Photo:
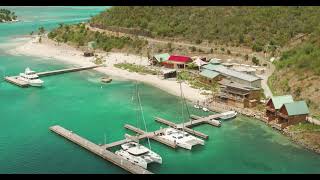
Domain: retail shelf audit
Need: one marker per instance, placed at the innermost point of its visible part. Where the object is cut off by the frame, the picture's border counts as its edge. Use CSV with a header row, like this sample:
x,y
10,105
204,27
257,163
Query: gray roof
x,y
228,72
227,82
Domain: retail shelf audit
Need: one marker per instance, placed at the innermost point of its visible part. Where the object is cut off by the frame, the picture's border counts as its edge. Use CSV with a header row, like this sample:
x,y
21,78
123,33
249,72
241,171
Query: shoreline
x,y
70,55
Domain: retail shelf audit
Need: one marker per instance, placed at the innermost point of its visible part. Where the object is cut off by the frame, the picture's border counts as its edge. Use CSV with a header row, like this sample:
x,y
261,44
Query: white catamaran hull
x,y
133,159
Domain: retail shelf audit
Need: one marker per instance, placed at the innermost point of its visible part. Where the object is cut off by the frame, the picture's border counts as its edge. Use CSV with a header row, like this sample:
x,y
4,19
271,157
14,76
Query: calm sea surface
x,y
79,102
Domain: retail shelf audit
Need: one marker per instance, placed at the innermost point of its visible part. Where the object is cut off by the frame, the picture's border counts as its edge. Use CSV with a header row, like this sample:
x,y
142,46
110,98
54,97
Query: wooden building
x,y
274,104
292,113
175,61
238,95
235,76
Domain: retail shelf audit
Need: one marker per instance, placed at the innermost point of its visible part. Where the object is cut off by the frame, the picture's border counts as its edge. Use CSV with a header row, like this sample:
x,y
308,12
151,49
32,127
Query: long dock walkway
x,y
98,150
15,81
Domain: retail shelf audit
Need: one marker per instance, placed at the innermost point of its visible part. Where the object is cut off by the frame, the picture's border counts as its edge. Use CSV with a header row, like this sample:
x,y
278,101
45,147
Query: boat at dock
x,y
228,115
138,154
181,138
133,151
30,77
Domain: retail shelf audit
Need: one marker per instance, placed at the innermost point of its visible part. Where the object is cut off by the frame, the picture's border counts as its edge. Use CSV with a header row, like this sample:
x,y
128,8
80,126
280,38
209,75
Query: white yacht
x,y
138,154
228,115
182,139
30,77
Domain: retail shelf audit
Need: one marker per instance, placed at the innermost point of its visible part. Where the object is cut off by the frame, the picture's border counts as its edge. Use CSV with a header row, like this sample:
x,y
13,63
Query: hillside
x,y
7,15
78,35
260,28
298,73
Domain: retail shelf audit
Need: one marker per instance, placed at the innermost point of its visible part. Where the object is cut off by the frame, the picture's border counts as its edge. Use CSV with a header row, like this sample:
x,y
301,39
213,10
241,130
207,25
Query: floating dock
x,y
196,120
102,150
20,83
98,150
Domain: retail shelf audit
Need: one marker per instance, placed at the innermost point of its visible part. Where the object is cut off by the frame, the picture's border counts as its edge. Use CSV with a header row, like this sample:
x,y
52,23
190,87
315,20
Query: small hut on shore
x,y
88,53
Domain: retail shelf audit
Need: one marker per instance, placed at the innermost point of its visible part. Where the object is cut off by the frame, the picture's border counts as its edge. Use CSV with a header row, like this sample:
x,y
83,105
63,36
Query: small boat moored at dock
x,y
228,115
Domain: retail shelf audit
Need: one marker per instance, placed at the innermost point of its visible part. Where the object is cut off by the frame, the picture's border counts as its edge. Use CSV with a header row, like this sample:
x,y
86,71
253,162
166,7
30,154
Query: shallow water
x,y
79,102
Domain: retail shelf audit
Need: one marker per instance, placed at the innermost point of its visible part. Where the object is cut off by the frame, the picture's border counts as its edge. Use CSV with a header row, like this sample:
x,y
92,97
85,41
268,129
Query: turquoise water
x,y
79,102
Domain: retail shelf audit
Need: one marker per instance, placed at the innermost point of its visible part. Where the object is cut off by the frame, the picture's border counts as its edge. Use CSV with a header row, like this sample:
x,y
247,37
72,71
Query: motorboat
x,y
138,154
228,115
181,138
30,77
205,109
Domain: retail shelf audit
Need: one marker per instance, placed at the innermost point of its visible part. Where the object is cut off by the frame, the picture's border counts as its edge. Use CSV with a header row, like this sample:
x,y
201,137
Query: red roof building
x,y
176,61
184,59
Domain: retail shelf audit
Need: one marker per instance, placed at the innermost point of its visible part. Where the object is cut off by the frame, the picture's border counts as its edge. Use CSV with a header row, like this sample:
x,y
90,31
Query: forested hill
x,y
7,15
254,27
298,73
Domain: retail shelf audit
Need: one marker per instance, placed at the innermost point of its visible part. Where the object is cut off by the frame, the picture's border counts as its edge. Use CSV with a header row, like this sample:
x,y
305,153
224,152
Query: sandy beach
x,y
67,54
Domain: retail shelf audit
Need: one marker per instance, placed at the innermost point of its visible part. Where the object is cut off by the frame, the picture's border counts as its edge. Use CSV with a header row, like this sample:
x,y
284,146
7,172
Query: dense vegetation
x,y
298,72
7,15
261,28
80,36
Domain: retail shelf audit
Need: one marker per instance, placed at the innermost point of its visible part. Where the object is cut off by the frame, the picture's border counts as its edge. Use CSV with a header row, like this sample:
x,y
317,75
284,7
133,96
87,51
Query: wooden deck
x,y
94,148
15,81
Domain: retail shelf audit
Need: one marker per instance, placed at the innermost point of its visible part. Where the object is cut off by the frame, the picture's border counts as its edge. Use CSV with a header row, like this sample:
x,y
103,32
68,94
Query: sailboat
x,y
179,136
136,153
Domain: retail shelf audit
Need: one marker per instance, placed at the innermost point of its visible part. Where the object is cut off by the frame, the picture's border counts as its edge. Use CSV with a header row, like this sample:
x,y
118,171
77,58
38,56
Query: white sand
x,y
68,54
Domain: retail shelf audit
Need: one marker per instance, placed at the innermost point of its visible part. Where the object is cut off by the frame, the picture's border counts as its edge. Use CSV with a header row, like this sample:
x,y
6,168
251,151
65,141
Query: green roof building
x,y
209,74
292,113
161,57
296,108
278,101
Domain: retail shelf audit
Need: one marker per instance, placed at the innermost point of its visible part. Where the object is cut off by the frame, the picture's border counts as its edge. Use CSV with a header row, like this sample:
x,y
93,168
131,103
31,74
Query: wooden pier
x,y
98,150
102,150
20,83
155,134
14,80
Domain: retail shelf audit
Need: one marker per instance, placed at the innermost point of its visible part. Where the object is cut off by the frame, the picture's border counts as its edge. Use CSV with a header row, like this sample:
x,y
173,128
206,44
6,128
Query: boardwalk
x,y
105,154
15,81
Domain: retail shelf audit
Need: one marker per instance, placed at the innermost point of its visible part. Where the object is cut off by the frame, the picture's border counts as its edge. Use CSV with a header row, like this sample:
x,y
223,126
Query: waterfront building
x,y
274,104
292,113
237,94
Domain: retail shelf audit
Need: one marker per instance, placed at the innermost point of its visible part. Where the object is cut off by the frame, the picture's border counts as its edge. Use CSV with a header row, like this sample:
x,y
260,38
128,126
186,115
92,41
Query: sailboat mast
x,y
181,97
145,124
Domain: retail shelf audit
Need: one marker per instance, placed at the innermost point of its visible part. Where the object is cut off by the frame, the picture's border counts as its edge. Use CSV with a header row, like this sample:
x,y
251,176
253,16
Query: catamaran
x,y
30,77
181,138
138,154
135,152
